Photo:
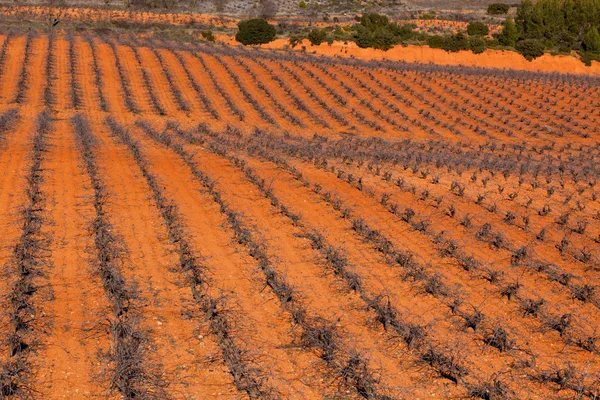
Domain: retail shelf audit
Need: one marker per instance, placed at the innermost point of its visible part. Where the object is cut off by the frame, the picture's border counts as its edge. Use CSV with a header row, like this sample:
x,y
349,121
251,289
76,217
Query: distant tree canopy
x,y
255,31
591,41
477,29
498,9
378,32
561,25
457,42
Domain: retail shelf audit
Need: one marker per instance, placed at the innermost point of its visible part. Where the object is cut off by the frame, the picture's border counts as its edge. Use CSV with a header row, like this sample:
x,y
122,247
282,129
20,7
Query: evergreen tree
x,y
591,41
255,31
509,34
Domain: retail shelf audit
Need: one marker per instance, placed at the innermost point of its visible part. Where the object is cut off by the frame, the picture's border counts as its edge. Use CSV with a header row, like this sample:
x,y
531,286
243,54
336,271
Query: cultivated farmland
x,y
193,221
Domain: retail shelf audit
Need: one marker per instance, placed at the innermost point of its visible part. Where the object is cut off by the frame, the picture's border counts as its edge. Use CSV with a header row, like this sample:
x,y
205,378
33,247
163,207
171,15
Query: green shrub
x,y
530,48
384,39
376,31
587,57
208,35
477,44
255,31
317,36
339,33
403,32
591,41
509,34
456,42
372,21
498,9
436,42
477,29
302,4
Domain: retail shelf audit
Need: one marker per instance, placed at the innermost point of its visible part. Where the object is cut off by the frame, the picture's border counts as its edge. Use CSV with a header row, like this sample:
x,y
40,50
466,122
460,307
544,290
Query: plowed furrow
x,y
192,91
14,152
62,84
296,261
69,352
488,309
524,285
186,357
207,83
12,67
260,327
26,269
249,107
90,78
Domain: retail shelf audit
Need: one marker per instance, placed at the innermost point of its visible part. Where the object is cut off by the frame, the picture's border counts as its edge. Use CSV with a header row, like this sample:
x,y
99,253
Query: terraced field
x,y
198,221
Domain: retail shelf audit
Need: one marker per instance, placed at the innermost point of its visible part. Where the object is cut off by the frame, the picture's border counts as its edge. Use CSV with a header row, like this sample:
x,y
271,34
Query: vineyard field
x,y
196,220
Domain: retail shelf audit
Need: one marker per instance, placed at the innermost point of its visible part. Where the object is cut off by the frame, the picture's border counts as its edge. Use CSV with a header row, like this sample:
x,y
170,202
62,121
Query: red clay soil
x,y
36,81
198,72
14,162
300,90
302,83
258,95
113,91
552,292
296,260
140,91
582,356
186,358
263,328
228,84
184,85
68,361
12,67
86,77
279,95
487,307
62,85
500,163
159,82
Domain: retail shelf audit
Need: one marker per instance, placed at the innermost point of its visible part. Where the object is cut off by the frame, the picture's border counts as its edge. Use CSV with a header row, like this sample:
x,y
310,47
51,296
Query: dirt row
x,y
206,242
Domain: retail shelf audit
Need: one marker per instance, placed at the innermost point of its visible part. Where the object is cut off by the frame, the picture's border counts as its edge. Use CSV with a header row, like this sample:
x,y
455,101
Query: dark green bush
x,y
436,42
456,42
477,29
384,39
477,44
530,48
255,31
372,21
381,38
317,36
498,9
403,32
375,31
